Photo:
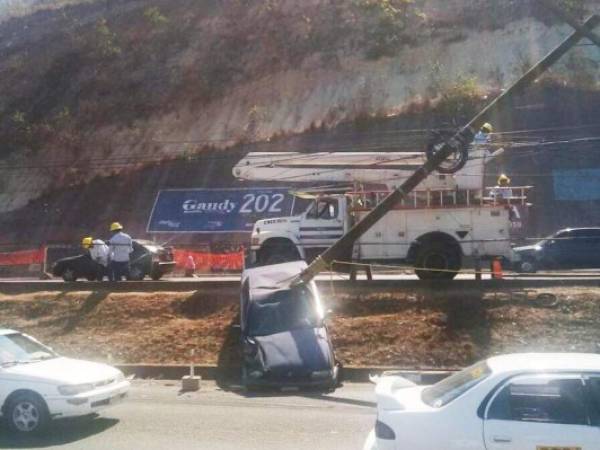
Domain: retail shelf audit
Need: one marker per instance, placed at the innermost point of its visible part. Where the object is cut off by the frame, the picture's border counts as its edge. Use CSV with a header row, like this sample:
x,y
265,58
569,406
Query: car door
x,y
560,251
583,249
592,383
540,412
591,250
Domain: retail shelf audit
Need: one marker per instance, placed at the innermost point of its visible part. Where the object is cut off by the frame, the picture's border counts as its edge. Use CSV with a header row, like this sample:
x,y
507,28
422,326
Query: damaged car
x,y
285,342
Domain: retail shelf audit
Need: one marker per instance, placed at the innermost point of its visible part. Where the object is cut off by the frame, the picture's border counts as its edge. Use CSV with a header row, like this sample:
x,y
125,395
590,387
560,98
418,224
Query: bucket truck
x,y
447,219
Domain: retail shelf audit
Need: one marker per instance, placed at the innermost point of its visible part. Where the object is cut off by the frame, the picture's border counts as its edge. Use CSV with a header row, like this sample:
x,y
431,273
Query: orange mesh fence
x,y
22,257
207,262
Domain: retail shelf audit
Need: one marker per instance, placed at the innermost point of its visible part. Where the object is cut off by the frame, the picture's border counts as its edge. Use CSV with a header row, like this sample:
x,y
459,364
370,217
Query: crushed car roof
x,y
275,276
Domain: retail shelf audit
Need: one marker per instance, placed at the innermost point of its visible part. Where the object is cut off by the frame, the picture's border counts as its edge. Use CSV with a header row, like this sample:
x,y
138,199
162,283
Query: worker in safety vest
x,y
190,266
502,192
98,251
121,246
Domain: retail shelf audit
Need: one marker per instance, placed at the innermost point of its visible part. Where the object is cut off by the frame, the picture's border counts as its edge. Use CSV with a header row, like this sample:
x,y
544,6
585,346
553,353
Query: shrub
x,y
386,25
154,17
106,40
460,98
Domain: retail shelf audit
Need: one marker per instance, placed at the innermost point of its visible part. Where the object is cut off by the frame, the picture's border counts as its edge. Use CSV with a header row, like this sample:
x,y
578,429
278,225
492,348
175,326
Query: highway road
x,y
158,416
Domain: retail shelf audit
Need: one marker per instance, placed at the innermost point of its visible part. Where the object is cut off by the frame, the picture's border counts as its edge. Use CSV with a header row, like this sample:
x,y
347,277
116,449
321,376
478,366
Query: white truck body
x,y
480,232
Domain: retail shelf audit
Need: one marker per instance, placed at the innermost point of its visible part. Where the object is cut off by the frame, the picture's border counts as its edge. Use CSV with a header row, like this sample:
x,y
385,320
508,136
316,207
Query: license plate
x,y
545,447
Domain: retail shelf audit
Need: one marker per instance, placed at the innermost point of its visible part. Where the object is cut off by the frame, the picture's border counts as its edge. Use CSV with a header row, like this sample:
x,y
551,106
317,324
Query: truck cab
x,y
302,236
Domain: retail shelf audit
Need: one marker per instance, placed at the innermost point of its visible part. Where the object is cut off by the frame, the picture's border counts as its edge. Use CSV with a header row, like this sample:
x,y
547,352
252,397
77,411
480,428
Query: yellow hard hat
x,y
487,127
116,226
503,179
87,242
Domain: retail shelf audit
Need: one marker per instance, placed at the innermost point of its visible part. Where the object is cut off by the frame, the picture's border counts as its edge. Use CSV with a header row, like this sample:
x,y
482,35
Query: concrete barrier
x,y
353,374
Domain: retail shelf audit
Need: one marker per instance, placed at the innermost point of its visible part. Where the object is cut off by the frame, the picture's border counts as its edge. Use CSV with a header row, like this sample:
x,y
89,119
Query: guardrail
x,y
231,287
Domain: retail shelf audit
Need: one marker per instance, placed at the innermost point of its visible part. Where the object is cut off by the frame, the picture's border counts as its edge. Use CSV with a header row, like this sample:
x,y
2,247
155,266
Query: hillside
x,y
98,94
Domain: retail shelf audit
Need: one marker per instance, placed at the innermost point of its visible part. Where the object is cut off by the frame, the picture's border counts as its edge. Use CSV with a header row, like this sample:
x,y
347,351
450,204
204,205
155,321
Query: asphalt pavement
x,y
157,416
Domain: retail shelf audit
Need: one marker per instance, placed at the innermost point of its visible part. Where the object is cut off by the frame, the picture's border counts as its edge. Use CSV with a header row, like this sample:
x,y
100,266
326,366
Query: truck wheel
x,y
26,414
444,257
277,253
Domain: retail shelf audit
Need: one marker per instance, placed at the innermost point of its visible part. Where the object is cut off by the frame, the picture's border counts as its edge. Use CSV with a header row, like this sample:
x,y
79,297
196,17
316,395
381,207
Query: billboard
x,y
217,210
577,184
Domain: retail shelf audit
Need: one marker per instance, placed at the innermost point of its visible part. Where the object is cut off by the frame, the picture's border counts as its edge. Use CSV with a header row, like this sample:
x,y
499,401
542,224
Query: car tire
x,y
136,274
438,255
27,414
527,266
156,276
69,275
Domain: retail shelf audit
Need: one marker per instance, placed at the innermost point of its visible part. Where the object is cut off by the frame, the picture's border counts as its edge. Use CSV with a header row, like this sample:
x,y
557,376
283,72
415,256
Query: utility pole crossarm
x,y
462,138
568,18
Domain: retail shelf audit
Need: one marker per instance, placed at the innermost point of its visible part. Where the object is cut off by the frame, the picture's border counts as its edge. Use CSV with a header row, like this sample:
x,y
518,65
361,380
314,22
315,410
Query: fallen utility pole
x,y
454,145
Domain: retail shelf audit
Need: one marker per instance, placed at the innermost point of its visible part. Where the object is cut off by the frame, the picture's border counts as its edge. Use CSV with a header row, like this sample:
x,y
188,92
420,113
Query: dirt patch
x,y
395,329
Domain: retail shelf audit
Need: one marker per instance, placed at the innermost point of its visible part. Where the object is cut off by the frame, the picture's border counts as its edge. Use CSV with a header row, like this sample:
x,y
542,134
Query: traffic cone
x,y
497,269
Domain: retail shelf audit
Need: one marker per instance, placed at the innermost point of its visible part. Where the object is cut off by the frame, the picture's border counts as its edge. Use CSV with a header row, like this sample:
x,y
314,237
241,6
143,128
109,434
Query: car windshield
x,y
445,391
283,310
20,349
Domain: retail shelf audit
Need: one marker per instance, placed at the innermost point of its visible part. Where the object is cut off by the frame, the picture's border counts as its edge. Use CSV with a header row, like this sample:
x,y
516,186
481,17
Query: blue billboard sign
x,y
577,184
217,210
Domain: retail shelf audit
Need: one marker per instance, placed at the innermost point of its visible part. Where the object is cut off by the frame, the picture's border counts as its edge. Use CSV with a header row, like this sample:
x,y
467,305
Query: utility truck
x,y
448,219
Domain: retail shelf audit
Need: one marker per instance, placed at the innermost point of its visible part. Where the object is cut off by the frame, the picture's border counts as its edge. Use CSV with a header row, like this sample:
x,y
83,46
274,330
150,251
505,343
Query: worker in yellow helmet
x,y
502,192
98,251
484,136
121,246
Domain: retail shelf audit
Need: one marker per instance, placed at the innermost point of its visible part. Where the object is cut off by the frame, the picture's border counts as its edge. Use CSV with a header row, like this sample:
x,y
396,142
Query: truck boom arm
x,y
454,144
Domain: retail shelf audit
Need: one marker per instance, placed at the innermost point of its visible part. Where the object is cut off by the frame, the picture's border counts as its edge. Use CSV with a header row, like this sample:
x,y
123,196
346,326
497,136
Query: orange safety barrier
x,y
206,262
497,269
22,257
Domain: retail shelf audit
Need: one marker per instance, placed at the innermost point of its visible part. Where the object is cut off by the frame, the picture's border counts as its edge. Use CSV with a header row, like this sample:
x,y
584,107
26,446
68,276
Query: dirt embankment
x,y
396,329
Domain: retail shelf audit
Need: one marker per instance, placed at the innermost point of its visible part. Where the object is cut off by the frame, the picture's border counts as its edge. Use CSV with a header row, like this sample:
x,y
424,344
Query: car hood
x,y
61,371
304,349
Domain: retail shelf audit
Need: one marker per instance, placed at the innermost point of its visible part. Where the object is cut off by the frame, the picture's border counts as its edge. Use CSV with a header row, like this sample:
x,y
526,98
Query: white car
x,y
513,402
37,385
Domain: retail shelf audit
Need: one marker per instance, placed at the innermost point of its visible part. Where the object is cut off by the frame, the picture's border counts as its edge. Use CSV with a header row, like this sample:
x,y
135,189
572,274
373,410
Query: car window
x,y
284,310
18,348
324,209
593,385
541,400
448,389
